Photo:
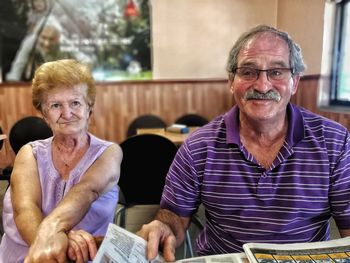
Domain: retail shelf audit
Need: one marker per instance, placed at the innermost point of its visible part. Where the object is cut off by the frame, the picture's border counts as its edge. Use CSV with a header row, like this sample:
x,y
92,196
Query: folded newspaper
x,y
333,251
122,246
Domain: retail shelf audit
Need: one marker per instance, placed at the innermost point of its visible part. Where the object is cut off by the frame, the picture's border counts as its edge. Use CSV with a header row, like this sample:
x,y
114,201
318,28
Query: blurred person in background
x,y
40,47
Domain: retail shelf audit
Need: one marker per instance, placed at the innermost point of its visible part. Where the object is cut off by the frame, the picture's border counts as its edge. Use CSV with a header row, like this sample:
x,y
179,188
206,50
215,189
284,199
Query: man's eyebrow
x,y
277,64
248,64
280,64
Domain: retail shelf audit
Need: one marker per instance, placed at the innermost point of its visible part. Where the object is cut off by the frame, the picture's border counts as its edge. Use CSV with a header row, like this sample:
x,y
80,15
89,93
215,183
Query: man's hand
x,y
82,246
158,235
47,250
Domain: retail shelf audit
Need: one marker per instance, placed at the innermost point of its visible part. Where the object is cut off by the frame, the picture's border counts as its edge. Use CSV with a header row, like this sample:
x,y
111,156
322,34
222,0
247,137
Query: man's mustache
x,y
256,95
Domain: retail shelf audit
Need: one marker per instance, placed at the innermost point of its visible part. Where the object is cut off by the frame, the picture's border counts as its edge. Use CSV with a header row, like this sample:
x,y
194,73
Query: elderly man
x,y
265,171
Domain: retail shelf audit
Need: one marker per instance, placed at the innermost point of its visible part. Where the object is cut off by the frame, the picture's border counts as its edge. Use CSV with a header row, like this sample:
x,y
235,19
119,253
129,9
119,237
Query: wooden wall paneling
x,y
15,103
306,97
117,104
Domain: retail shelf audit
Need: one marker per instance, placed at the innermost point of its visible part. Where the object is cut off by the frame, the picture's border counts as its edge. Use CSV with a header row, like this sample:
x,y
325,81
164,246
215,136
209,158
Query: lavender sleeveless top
x,y
53,189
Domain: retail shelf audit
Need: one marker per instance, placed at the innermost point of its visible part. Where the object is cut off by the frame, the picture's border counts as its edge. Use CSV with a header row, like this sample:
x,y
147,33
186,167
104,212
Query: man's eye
x,y
275,72
247,72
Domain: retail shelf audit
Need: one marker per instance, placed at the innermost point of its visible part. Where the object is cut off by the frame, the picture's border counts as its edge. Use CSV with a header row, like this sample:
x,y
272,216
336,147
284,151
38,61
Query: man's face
x,y
48,40
39,5
264,51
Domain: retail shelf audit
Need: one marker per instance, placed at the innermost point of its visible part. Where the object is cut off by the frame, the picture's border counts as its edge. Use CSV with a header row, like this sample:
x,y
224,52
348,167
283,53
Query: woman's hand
x,y
48,250
81,246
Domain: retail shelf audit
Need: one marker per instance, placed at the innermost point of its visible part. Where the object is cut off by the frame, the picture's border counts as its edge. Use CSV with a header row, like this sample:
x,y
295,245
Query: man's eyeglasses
x,y
273,74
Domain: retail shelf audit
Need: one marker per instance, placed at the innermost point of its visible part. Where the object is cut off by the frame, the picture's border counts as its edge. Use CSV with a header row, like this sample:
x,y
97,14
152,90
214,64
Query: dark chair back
x,y
146,161
193,120
145,121
28,129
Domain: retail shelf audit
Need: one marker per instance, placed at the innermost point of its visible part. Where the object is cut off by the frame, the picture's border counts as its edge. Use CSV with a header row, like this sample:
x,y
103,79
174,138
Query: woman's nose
x,y
66,111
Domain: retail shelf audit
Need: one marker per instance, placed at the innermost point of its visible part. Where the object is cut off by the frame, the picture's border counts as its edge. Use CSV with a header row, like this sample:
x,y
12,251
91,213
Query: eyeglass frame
x,y
258,71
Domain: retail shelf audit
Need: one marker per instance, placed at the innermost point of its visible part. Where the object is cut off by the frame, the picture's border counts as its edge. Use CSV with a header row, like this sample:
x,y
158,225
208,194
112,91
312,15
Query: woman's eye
x,y
55,106
76,103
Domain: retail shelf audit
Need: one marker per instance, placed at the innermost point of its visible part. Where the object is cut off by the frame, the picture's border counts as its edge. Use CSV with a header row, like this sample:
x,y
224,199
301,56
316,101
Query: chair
x,y
26,130
146,161
145,121
194,120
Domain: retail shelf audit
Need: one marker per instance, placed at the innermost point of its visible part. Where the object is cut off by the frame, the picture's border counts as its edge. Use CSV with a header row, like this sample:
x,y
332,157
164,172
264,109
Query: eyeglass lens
x,y
275,74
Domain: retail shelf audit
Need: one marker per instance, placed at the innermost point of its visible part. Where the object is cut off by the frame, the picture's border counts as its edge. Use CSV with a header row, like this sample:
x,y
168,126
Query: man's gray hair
x,y
295,55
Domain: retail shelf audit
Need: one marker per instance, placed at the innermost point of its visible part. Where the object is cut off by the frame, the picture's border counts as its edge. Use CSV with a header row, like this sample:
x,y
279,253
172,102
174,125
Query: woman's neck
x,y
68,143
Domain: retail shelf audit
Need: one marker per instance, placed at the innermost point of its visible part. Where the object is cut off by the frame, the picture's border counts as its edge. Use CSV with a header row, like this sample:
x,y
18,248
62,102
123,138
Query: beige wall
x,y
191,38
304,20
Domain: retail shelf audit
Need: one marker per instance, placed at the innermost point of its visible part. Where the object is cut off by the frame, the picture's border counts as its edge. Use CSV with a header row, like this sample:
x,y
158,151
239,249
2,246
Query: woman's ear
x,y
43,113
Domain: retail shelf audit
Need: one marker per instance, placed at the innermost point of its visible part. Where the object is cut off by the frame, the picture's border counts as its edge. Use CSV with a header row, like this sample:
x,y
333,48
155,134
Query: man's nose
x,y
262,84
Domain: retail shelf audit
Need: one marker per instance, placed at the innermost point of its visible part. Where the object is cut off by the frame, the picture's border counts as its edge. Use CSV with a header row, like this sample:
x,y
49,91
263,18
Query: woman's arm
x,y
26,194
99,179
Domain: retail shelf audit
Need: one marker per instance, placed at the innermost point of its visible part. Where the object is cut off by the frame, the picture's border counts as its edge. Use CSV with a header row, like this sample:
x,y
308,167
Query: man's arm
x,y
19,63
99,179
166,231
344,232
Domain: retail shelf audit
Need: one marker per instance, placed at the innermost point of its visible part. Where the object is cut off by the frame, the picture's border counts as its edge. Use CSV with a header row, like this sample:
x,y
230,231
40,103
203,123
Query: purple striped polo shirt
x,y
292,201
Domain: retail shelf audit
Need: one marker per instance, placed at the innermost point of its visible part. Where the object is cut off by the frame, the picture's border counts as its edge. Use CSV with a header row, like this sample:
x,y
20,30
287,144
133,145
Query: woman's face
x,y
66,111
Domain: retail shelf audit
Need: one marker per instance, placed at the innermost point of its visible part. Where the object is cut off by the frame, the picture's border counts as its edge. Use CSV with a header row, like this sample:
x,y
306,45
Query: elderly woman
x,y
62,183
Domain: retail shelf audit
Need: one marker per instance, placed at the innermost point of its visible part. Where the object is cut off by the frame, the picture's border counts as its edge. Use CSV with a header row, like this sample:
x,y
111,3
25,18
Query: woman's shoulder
x,y
96,142
41,145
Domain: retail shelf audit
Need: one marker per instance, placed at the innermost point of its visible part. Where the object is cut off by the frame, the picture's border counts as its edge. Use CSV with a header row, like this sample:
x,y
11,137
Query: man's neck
x,y
265,132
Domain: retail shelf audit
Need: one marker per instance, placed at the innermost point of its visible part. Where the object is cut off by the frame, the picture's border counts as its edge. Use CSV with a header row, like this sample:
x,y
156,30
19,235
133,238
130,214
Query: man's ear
x,y
230,82
296,79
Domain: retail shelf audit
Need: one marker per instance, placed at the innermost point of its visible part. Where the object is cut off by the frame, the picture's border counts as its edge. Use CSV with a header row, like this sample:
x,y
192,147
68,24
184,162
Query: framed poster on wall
x,y
112,36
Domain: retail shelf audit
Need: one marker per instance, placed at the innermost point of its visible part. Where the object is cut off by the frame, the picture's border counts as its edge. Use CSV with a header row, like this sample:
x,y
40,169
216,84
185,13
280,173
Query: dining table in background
x,y
176,138
3,137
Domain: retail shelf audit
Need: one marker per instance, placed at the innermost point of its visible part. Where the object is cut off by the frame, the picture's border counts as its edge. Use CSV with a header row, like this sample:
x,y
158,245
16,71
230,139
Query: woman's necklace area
x,y
68,157
63,156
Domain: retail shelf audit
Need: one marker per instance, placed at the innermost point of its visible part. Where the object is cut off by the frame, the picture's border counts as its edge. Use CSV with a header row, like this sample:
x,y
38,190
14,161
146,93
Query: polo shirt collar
x,y
231,119
295,125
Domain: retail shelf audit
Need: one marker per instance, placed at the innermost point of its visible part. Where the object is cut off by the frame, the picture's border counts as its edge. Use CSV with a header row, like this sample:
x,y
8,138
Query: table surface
x,y
176,138
3,137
